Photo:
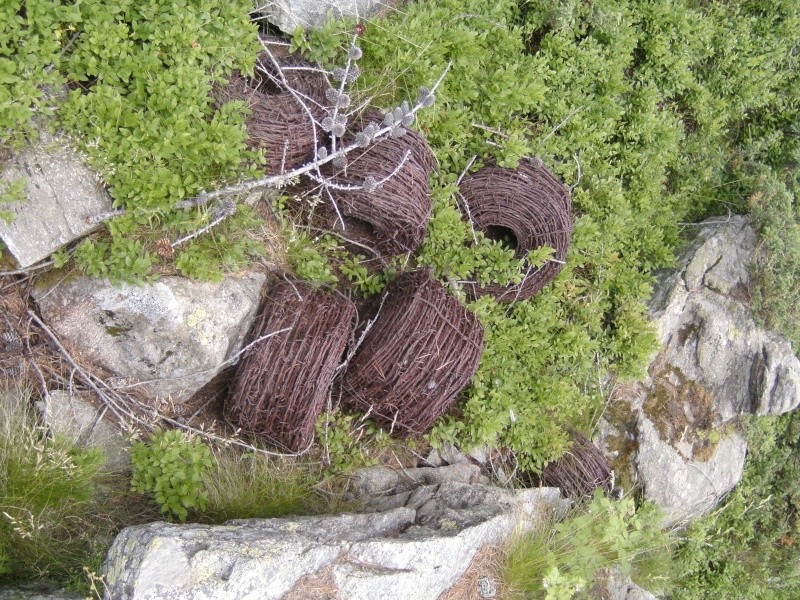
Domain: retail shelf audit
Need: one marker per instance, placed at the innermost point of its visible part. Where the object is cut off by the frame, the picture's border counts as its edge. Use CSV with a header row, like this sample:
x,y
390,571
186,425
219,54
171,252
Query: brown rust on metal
x,y
280,122
393,218
283,381
421,352
531,206
580,471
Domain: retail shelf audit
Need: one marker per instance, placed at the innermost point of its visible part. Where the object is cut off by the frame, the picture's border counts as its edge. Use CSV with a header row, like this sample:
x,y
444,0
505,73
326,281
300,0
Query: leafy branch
x,y
334,125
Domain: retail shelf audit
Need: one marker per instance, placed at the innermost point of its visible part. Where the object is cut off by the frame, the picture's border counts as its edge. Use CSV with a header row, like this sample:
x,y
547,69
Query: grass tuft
x,y
58,511
254,486
570,559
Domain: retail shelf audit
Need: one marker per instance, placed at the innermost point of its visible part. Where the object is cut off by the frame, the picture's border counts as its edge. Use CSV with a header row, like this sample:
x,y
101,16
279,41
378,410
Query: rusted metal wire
x,y
278,123
580,471
421,352
528,207
283,382
393,218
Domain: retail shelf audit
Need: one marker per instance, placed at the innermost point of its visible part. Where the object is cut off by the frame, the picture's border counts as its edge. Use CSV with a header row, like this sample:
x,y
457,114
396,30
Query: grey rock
x,y
487,588
37,592
480,455
418,476
430,557
374,481
457,506
398,500
708,334
60,192
714,365
168,338
392,555
78,420
242,559
452,455
637,593
419,496
290,14
461,472
685,488
434,459
615,586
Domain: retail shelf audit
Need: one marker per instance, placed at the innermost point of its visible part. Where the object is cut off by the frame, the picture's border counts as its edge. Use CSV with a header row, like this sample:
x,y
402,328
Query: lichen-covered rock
x,y
677,436
708,334
291,14
60,192
402,553
168,338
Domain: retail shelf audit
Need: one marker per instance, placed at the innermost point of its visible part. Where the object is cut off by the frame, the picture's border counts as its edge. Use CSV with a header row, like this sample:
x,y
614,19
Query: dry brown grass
x,y
487,563
316,586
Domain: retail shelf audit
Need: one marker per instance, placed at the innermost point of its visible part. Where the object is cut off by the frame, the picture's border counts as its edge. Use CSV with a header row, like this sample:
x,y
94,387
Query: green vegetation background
x,y
658,112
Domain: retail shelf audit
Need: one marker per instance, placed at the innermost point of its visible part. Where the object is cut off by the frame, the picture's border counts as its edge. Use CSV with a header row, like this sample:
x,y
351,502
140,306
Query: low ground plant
x,y
48,492
188,480
252,485
563,561
171,467
776,273
58,511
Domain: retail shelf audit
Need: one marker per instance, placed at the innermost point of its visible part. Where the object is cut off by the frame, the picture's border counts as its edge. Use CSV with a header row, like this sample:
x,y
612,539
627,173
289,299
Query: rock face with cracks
x,y
78,420
686,488
168,338
714,365
707,331
413,552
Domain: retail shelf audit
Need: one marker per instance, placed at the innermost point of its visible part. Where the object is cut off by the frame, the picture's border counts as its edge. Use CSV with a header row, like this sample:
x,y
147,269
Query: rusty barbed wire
x,y
282,383
530,204
420,353
582,470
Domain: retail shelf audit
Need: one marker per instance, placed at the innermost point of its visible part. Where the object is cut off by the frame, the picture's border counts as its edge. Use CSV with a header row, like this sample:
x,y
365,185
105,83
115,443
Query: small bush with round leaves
x,y
171,468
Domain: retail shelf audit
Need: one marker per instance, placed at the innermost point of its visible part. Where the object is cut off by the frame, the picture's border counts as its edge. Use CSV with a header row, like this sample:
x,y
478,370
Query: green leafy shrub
x,y
144,116
229,246
456,252
171,468
10,191
310,259
777,275
348,441
647,107
562,562
33,35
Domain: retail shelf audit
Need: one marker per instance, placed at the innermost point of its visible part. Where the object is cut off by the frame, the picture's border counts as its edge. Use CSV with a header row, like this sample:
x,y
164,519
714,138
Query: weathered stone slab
x,y
396,554
685,488
715,364
60,192
169,337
